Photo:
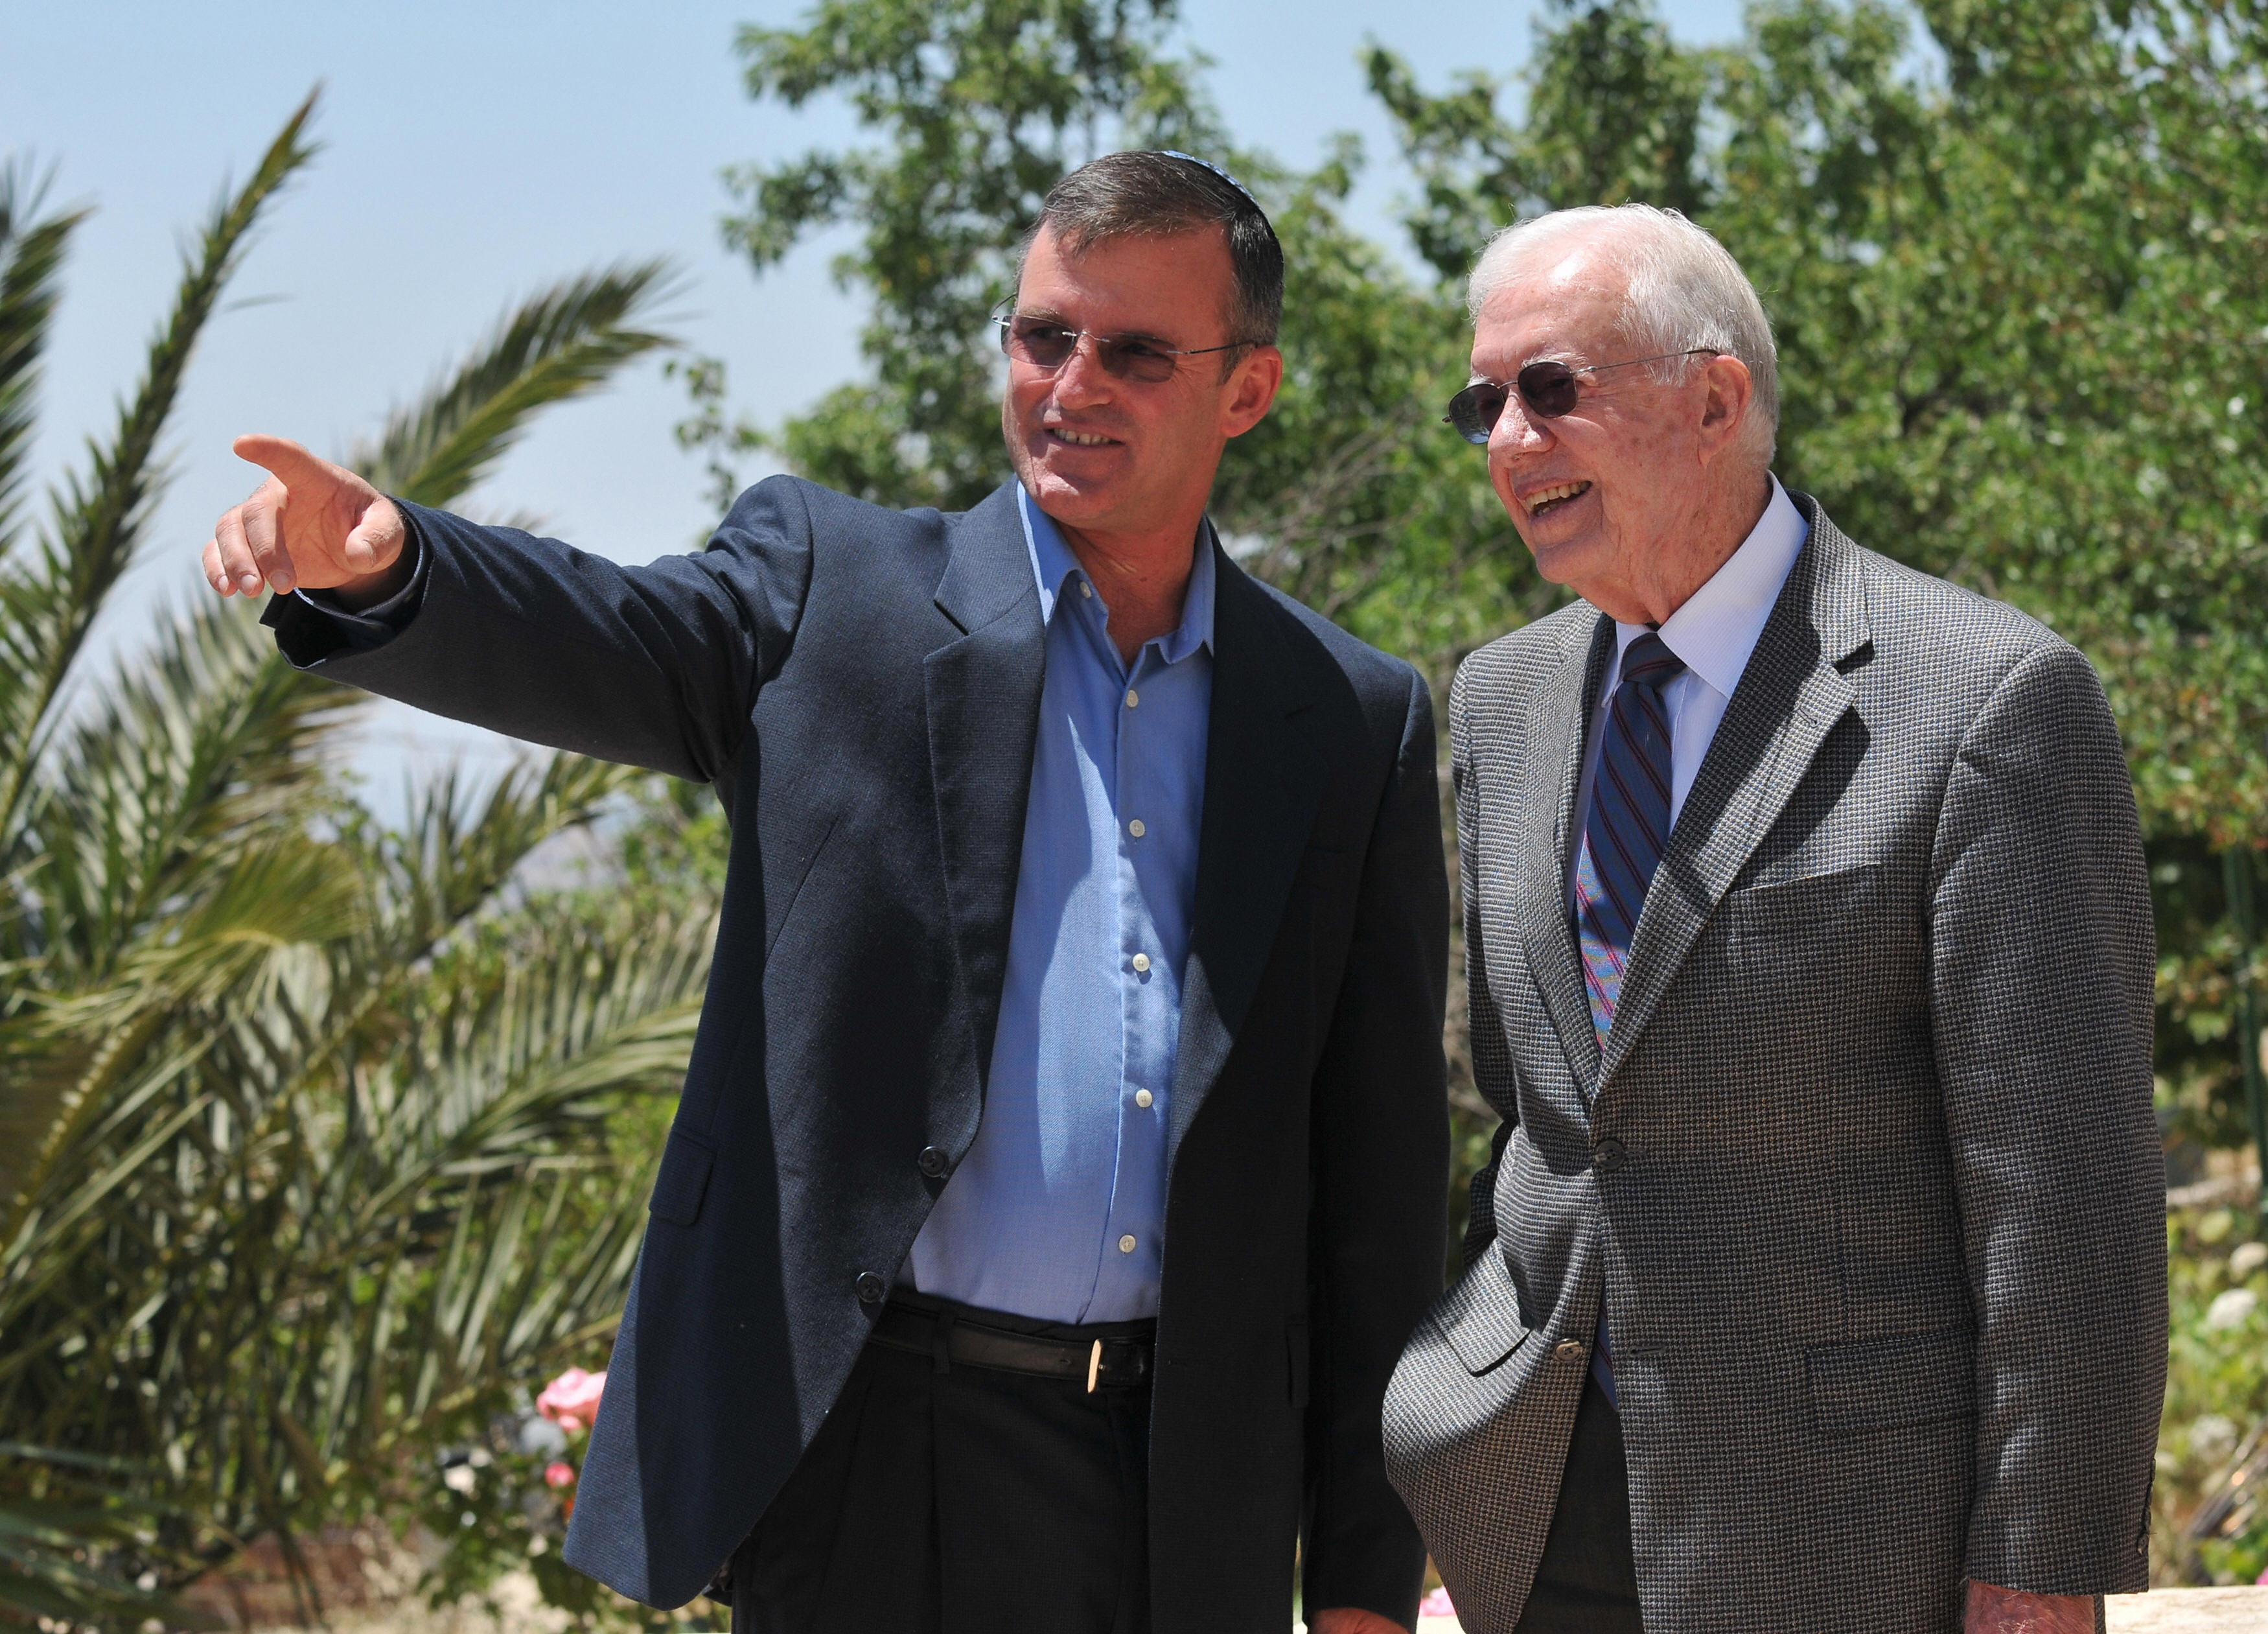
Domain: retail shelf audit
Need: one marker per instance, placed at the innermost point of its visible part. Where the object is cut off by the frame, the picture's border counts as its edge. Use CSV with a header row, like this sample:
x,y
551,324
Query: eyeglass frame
x,y
1537,410
1102,342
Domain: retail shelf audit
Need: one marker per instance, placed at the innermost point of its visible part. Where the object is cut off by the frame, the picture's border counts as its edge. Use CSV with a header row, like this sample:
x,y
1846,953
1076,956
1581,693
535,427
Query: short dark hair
x,y
1151,195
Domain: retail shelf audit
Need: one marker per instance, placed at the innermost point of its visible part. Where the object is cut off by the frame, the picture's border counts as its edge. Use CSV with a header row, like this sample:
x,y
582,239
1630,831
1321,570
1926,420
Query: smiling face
x,y
1625,498
1118,457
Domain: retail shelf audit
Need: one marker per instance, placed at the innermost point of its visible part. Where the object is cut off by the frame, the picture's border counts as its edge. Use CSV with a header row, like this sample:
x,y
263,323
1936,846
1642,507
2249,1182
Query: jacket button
x,y
870,1288
934,1162
1609,1156
1568,1349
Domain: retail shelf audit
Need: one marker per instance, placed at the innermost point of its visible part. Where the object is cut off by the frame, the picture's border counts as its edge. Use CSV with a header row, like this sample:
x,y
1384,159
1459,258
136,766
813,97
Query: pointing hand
x,y
312,525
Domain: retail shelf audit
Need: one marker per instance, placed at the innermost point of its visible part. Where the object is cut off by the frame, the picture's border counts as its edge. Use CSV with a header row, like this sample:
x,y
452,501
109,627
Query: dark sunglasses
x,y
1045,345
1546,389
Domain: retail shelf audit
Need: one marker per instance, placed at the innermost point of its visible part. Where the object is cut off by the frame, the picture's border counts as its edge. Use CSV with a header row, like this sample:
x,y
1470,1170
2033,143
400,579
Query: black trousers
x,y
1587,1583
951,1499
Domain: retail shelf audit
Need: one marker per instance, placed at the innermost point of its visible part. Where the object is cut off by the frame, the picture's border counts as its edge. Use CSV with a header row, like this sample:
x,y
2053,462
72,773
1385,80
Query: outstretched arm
x,y
655,666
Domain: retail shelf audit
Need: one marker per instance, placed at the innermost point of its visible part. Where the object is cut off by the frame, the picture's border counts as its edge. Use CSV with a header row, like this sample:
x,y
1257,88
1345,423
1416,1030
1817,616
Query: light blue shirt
x,y
1058,1210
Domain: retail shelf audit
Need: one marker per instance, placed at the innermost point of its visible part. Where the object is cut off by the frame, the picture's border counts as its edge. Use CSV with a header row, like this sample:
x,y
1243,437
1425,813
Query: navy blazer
x,y
862,687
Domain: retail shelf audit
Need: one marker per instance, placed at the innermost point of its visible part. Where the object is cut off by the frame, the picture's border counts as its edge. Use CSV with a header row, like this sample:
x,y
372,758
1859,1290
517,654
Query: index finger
x,y
289,462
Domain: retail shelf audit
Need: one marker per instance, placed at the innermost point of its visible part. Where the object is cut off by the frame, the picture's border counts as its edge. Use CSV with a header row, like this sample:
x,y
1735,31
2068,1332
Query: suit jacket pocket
x,y
1480,1316
1882,1384
683,1181
1806,895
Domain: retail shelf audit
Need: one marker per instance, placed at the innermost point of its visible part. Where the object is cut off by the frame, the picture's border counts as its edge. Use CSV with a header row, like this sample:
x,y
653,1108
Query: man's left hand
x,y
1354,1620
2007,1611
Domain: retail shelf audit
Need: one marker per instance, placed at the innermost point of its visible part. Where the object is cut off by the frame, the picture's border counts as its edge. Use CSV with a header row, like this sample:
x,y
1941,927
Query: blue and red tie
x,y
1622,839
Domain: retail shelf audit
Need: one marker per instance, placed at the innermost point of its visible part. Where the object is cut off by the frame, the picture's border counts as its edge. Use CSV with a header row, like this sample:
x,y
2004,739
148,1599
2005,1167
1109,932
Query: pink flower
x,y
559,1472
571,1400
1437,1605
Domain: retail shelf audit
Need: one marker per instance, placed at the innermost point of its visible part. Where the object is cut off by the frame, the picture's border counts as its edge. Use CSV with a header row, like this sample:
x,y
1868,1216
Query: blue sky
x,y
475,151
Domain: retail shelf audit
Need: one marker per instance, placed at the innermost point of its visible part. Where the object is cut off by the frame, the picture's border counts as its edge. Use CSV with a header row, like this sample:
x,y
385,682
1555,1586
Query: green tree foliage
x,y
304,1116
984,104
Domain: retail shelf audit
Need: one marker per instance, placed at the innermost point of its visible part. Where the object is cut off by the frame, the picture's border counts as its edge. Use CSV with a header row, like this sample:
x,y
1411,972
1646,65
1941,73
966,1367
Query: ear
x,y
1730,392
1251,390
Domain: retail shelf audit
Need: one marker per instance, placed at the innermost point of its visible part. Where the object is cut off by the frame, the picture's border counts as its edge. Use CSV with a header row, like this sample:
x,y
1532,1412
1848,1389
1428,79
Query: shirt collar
x,y
1053,566
1717,629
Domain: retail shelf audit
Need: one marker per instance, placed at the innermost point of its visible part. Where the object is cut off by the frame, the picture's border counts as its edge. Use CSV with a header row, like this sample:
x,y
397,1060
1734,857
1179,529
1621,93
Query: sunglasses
x,y
1547,390
1045,345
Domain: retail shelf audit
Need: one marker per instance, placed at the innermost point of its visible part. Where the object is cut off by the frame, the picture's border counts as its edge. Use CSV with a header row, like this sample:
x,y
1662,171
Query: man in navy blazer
x,y
1061,1162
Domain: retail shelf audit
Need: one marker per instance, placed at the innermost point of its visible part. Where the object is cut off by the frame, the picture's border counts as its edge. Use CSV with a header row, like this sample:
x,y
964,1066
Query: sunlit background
x,y
474,152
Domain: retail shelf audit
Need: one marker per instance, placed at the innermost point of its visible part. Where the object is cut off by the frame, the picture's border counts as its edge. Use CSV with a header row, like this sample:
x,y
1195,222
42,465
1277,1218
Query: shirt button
x,y
1133,698
1142,1098
1141,963
1137,828
870,1287
1086,589
1126,1245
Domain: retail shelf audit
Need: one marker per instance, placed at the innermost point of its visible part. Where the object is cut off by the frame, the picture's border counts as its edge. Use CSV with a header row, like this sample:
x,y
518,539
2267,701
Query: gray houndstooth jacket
x,y
1867,1174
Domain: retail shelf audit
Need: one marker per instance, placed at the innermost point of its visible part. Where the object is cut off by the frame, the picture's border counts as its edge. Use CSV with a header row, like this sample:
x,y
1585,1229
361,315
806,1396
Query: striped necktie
x,y
1628,824
1622,839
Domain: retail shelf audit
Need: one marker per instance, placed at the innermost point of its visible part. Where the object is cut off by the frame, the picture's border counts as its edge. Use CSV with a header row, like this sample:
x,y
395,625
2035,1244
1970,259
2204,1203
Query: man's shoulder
x,y
802,509
1951,638
1517,662
1372,670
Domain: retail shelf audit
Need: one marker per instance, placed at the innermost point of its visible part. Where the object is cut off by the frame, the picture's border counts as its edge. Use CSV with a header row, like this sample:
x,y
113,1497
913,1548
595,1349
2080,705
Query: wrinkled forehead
x,y
1566,302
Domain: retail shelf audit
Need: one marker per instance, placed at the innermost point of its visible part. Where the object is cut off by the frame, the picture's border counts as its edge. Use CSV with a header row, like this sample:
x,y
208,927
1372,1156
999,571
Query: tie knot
x,y
1649,662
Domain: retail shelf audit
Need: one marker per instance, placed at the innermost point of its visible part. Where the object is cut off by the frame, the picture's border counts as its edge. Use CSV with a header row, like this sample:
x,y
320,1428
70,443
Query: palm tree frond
x,y
52,598
32,249
566,342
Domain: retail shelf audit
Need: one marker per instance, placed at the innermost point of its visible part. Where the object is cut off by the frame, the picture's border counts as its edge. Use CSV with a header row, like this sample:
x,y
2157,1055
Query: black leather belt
x,y
953,1340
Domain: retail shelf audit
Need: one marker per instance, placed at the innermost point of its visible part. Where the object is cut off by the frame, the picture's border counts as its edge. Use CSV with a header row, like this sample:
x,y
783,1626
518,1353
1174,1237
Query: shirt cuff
x,y
312,626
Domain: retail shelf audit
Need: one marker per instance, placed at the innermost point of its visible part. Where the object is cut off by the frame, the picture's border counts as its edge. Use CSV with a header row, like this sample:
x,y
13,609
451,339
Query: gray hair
x,y
1684,292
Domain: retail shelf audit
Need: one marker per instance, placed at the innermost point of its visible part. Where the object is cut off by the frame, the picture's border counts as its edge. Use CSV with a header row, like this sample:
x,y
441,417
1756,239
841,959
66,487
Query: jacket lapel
x,y
983,695
1550,775
1264,781
1789,698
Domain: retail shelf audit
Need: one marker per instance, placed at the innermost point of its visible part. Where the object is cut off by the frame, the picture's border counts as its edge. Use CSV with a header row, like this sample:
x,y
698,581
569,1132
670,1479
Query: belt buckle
x,y
1093,1367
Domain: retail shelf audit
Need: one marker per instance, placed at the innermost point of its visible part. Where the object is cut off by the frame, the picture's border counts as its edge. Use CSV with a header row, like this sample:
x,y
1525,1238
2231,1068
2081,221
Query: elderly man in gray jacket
x,y
1818,1282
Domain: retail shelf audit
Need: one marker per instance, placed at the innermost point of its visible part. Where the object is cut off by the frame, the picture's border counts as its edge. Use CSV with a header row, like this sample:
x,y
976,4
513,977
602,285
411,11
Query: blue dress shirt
x,y
1058,1210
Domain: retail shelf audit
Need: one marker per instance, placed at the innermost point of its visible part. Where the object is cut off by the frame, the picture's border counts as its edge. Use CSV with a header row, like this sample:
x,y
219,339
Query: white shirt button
x,y
1141,962
1126,1245
1136,828
1086,589
1133,698
1142,1098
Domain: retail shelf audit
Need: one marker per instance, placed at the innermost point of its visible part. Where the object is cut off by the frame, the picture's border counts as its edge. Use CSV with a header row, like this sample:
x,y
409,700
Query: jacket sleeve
x,y
2042,1001
654,666
1493,1074
1381,1182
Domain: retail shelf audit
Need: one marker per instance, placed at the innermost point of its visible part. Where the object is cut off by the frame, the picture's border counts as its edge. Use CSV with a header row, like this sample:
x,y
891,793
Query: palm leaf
x,y
31,267
49,601
566,342
53,1547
